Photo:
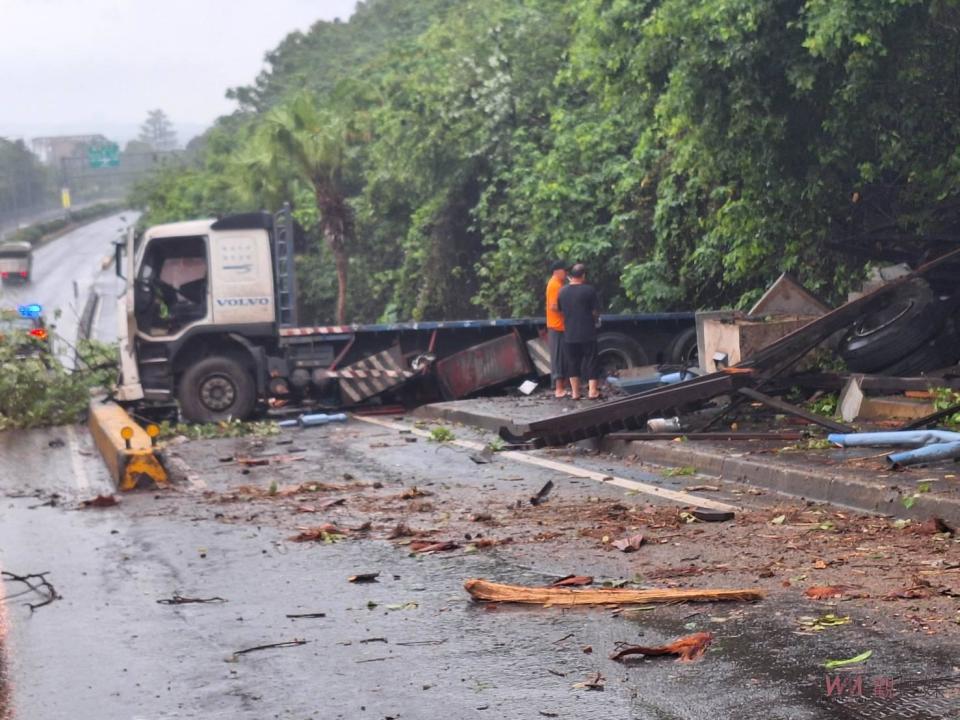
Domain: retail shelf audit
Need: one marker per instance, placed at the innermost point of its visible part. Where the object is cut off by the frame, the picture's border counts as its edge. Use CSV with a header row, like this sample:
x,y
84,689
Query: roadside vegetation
x,y
38,231
440,152
36,390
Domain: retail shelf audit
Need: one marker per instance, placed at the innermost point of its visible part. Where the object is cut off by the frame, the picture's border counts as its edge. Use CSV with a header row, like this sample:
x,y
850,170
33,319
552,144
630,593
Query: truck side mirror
x,y
118,258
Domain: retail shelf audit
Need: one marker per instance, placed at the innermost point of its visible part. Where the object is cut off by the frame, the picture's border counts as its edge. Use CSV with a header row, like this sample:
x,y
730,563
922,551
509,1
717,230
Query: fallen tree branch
x,y
180,600
294,616
687,648
44,588
495,592
288,643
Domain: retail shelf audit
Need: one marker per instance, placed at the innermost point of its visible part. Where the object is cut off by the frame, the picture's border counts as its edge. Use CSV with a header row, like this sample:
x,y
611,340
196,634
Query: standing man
x,y
557,281
580,306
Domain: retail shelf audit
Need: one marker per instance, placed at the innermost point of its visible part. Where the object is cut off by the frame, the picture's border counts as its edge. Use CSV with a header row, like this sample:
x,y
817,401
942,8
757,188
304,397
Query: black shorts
x,y
580,360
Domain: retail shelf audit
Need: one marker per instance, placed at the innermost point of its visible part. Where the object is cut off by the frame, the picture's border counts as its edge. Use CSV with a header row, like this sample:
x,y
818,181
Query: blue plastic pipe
x,y
928,453
905,438
313,420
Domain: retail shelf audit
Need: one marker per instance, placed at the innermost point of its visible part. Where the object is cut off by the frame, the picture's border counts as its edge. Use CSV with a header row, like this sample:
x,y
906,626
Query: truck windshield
x,y
172,285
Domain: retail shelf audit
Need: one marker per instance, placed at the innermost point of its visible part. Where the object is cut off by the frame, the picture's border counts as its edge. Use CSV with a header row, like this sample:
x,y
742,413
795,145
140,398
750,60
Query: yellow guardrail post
x,y
127,449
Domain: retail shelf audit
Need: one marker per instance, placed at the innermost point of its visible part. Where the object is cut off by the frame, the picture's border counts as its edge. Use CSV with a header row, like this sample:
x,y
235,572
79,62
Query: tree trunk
x,y
337,224
340,259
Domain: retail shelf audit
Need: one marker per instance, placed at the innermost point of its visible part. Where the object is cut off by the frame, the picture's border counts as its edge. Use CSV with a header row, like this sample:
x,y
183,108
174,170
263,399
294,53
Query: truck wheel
x,y
683,349
215,389
941,351
883,337
616,351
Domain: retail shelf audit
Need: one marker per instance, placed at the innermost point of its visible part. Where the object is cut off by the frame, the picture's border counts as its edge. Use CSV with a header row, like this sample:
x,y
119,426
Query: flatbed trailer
x,y
209,320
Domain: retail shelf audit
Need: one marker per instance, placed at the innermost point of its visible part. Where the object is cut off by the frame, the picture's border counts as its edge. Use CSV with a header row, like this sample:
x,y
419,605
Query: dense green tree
x,y
319,148
687,150
24,182
157,131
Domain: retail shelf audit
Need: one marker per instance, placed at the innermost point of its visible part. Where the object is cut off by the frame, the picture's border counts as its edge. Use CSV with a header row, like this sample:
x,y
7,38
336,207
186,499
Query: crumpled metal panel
x,y
481,366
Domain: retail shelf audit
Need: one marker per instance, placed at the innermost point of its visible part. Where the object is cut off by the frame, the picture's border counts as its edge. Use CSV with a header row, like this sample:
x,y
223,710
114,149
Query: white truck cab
x,y
198,293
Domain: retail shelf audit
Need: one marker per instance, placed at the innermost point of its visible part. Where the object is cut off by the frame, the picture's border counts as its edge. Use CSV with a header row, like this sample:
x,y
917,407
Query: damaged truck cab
x,y
198,318
209,321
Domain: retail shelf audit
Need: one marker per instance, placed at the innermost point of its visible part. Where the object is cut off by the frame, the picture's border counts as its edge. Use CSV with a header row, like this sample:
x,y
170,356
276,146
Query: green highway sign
x,y
103,155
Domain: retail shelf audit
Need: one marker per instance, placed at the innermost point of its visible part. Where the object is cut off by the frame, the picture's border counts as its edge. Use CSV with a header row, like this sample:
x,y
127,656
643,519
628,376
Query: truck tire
x,y
216,388
939,352
683,349
881,338
616,351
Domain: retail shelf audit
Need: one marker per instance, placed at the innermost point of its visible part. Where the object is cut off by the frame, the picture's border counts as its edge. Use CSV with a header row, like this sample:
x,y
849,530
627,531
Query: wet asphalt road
x,y
409,646
65,271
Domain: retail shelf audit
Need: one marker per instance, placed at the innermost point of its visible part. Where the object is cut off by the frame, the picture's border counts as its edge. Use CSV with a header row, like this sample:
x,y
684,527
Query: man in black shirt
x,y
580,306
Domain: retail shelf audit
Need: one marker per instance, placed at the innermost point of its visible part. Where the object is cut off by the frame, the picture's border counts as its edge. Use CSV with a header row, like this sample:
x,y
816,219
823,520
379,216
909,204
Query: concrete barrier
x,y
132,461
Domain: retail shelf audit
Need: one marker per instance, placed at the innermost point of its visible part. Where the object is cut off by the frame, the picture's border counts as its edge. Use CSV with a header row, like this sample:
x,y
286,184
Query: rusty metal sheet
x,y
481,366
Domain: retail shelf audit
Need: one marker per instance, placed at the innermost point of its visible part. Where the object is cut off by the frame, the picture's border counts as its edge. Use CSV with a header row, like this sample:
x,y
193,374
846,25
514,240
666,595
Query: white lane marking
x,y
643,488
79,473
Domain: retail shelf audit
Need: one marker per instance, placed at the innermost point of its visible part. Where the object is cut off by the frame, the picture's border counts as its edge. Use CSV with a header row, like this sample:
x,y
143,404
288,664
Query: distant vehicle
x,y
16,262
209,320
27,330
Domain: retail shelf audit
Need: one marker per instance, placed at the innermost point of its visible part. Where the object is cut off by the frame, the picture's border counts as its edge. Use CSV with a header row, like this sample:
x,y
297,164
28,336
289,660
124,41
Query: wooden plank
x,y
791,409
931,418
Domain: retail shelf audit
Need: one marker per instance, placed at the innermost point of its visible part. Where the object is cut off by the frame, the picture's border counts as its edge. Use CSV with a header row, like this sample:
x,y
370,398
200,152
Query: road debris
x,y
181,600
486,591
817,624
594,681
327,533
572,581
101,501
422,548
413,493
687,649
706,515
288,643
364,578
856,660
297,616
628,544
36,583
825,592
401,530
542,493
484,457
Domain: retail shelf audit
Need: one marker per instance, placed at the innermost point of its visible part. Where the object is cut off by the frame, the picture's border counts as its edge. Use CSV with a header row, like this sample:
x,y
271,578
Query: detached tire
x,y
939,352
616,351
911,318
216,389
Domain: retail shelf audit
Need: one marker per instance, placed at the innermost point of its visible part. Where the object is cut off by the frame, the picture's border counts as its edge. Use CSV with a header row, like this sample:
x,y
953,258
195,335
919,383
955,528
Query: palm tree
x,y
298,138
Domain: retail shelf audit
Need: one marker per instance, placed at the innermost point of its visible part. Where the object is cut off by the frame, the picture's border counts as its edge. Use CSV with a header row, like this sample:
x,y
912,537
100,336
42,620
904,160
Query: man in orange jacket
x,y
555,328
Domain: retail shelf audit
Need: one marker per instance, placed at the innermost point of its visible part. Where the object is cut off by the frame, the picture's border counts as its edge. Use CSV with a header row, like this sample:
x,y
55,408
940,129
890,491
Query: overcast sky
x,y
78,66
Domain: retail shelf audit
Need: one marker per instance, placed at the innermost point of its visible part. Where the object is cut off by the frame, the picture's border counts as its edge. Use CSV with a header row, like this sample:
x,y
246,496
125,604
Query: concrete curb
x,y
465,417
808,484
819,485
85,327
